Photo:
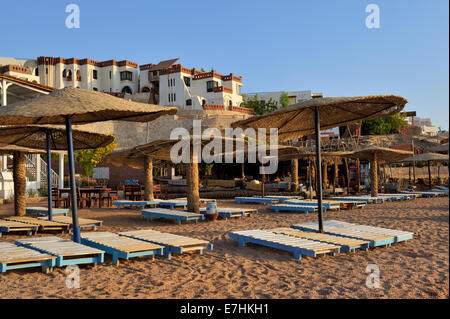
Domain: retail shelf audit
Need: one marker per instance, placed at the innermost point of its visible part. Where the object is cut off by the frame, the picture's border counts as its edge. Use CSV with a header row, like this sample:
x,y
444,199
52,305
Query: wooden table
x,y
87,193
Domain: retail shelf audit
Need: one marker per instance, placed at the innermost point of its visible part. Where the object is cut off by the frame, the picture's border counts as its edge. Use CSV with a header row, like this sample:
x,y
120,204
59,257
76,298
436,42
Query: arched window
x,y
78,75
36,71
127,90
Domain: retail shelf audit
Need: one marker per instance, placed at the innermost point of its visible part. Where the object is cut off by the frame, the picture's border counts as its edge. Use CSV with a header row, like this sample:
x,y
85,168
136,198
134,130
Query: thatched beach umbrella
x,y
373,154
47,137
323,113
161,150
427,157
77,106
443,148
133,158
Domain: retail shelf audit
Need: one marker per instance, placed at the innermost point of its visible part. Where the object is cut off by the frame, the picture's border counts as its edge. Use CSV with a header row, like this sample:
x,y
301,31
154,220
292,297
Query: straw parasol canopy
x,y
81,106
298,120
373,154
443,148
426,157
77,106
34,136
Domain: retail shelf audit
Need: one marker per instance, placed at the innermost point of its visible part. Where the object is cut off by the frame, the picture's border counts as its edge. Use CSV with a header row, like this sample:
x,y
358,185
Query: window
x,y
64,73
230,103
169,97
187,81
94,74
174,97
36,72
168,82
126,76
155,73
203,102
110,74
95,89
46,70
188,102
210,85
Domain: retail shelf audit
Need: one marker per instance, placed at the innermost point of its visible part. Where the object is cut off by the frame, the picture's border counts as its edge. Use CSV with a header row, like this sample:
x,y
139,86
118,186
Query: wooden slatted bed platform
x,y
374,238
399,235
347,244
281,198
44,211
232,212
66,252
7,226
131,203
172,243
171,214
346,203
83,222
293,208
16,257
298,246
325,205
44,225
120,246
256,200
368,200
172,203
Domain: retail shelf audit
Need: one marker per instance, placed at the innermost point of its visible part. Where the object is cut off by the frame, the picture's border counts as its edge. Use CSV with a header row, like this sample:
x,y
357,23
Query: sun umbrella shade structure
x,y
425,157
34,136
373,154
298,120
77,106
443,148
81,106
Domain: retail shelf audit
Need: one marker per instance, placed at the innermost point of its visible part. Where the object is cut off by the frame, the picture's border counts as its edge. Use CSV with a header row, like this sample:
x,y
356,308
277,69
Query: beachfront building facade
x,y
110,76
170,83
294,96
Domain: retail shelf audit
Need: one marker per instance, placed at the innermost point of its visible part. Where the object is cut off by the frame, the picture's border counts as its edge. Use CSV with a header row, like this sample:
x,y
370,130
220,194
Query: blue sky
x,y
323,46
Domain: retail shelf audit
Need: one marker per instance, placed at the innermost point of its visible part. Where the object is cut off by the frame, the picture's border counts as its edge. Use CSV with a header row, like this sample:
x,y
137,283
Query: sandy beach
x,y
418,268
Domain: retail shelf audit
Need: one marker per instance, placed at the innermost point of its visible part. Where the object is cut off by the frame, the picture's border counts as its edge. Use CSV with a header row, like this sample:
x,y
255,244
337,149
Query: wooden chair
x,y
113,195
57,199
160,192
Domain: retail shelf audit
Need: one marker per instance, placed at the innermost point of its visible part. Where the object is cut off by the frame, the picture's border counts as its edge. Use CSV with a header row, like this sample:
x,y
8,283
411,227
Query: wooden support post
x,y
358,176
325,175
193,195
429,175
294,175
373,176
347,176
20,183
148,170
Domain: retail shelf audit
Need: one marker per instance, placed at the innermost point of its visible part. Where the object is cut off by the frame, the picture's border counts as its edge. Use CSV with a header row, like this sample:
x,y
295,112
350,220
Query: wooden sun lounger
x,y
280,198
83,222
170,214
44,225
325,205
425,194
16,257
232,212
7,226
44,211
172,203
298,246
347,244
120,246
374,238
256,200
67,252
347,204
131,203
293,208
368,200
172,243
399,235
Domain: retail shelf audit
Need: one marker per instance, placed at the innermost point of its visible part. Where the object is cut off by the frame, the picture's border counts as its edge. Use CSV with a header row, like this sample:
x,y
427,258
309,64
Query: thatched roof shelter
x,y
77,106
443,148
81,106
426,157
298,120
34,136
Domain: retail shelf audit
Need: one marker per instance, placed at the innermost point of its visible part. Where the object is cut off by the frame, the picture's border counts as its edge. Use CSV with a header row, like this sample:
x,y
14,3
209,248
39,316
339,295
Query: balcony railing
x,y
214,107
225,89
242,110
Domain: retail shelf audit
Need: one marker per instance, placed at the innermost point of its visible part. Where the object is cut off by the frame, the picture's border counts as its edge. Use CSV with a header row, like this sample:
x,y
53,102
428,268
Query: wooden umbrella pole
x,y
373,176
429,174
310,179
294,174
49,177
19,177
319,173
358,175
148,170
193,195
347,176
325,175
